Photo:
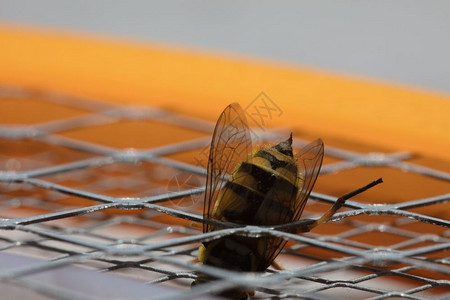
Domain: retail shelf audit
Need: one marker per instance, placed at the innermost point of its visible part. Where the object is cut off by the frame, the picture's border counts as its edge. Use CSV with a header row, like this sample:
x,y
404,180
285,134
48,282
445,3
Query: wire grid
x,y
67,202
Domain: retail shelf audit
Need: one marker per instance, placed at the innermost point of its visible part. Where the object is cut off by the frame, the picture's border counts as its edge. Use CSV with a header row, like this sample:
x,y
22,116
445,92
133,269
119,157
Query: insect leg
x,y
339,202
277,266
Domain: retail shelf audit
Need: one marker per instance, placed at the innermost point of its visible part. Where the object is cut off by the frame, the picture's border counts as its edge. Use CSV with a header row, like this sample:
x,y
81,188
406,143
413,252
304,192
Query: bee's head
x,y
285,147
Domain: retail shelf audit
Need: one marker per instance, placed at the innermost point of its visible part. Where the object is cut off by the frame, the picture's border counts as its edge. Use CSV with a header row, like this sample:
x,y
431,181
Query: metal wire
x,y
58,214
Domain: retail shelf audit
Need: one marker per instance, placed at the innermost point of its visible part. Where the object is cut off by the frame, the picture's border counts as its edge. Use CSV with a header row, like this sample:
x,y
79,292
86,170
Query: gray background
x,y
405,42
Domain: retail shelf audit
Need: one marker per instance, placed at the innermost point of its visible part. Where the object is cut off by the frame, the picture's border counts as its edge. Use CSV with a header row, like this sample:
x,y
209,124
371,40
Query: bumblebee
x,y
267,187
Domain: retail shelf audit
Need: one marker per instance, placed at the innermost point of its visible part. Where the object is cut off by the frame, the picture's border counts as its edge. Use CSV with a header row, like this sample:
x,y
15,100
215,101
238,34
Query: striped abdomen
x,y
261,191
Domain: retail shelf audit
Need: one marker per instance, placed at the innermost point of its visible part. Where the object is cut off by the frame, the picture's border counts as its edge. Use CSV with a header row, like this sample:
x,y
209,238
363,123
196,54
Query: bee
x,y
267,187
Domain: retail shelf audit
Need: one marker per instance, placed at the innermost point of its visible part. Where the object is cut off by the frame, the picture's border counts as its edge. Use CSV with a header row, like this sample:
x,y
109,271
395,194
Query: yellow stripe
x,y
282,172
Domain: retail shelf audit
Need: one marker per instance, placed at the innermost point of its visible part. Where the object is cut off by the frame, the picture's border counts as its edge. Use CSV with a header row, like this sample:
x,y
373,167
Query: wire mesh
x,y
75,198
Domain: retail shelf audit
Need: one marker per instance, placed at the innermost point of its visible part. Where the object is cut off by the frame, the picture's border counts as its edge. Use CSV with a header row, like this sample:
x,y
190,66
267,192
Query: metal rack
x,y
72,206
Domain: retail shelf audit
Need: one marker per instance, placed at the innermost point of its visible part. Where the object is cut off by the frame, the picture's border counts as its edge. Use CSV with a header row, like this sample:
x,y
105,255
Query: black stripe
x,y
236,253
254,202
253,198
247,211
275,163
266,179
285,151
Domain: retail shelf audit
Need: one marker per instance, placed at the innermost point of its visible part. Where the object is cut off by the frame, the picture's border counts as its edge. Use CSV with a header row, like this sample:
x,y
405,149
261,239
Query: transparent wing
x,y
309,162
230,145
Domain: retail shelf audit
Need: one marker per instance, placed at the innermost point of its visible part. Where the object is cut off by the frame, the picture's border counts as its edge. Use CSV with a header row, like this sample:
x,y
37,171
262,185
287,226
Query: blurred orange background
x,y
349,113
202,84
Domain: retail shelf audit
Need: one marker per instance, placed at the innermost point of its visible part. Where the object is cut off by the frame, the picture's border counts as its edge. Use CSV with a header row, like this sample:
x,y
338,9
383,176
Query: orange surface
x,y
348,113
202,84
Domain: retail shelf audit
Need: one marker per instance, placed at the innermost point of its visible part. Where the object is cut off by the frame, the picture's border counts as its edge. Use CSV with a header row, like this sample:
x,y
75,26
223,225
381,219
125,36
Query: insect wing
x,y
230,145
309,163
